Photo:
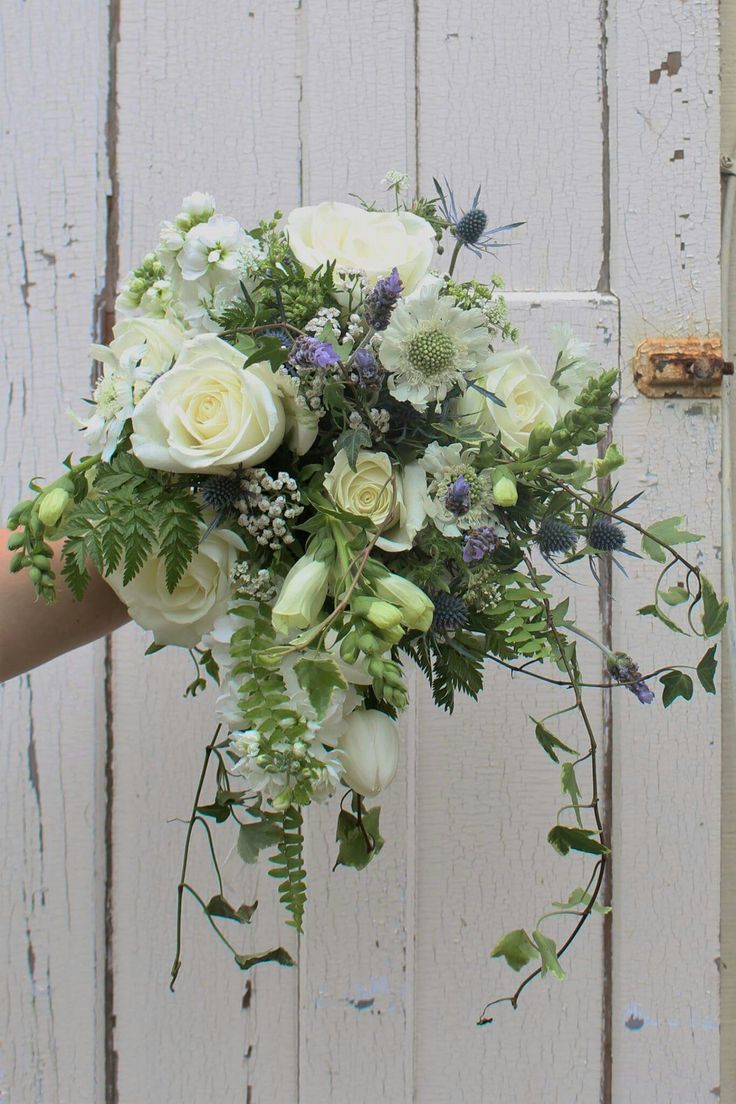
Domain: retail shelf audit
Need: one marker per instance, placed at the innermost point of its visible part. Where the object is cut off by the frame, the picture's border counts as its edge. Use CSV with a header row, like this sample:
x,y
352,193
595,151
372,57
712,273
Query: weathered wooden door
x,y
597,123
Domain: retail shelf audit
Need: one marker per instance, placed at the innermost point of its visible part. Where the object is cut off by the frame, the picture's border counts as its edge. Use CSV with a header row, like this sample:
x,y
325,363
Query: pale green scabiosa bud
x,y
417,609
369,746
52,504
504,487
302,596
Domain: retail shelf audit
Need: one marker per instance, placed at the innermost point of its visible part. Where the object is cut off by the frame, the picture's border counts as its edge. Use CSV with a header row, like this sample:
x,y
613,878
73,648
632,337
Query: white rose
x,y
373,242
514,377
202,595
369,747
302,596
393,501
154,342
208,413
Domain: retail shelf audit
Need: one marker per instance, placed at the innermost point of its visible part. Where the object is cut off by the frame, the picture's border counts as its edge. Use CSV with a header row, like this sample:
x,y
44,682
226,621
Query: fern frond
x,y
288,865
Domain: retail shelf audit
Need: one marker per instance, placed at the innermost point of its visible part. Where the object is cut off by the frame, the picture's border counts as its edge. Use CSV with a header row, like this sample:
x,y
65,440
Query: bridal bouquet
x,y
312,457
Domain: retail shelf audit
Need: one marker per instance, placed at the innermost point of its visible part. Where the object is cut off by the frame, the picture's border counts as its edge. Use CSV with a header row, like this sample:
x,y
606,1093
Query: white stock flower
x,y
141,349
373,242
573,368
183,616
209,413
369,745
515,377
393,500
212,248
431,345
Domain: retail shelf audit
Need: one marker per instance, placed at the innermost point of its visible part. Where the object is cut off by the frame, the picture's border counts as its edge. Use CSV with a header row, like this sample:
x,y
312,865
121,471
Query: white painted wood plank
x,y
356,998
664,268
207,103
486,796
509,98
53,735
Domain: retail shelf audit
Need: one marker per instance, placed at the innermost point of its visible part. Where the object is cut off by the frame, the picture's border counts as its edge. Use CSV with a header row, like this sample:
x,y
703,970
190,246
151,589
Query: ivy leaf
x,y
270,349
319,677
352,441
674,595
333,396
706,670
278,954
580,896
517,948
219,812
548,953
676,685
565,839
549,741
218,906
570,787
254,838
669,532
714,612
655,611
354,847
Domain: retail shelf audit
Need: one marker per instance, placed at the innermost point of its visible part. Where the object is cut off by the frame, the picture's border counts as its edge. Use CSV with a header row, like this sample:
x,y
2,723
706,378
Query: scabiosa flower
x,y
457,498
367,369
606,536
430,346
623,669
220,491
450,612
480,543
470,227
555,537
381,300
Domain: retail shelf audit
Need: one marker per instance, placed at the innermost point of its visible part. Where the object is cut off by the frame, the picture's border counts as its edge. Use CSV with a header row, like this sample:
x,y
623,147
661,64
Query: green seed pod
x,y
16,541
35,575
19,513
16,563
375,666
349,648
43,563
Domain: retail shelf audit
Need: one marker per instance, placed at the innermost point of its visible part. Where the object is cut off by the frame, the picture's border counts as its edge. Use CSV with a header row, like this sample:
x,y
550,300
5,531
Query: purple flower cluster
x,y
623,669
381,300
457,499
369,371
308,352
480,543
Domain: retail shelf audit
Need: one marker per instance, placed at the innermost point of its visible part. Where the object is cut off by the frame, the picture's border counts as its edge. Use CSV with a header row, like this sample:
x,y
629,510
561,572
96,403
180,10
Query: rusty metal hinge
x,y
683,367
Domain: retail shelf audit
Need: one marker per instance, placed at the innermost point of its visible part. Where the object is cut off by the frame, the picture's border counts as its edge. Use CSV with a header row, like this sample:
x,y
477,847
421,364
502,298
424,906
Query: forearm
x,y
32,632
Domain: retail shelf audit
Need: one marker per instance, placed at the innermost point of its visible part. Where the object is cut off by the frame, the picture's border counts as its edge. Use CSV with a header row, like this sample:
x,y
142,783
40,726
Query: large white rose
x,y
393,501
208,413
530,399
373,242
202,595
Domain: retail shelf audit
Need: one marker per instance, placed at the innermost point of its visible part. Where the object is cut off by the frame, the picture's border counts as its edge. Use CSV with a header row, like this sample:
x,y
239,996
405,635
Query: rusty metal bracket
x,y
683,367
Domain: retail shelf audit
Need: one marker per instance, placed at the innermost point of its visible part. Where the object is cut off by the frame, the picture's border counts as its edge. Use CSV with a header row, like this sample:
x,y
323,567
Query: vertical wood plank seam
x,y
105,317
604,280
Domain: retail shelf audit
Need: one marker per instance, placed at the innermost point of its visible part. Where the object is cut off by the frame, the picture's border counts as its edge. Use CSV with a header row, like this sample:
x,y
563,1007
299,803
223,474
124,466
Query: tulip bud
x,y
417,610
52,504
383,615
504,487
370,751
302,596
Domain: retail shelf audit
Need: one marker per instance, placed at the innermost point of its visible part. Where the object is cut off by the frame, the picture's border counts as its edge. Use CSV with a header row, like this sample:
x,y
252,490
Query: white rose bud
x,y
417,609
373,242
369,746
209,413
302,596
529,398
392,499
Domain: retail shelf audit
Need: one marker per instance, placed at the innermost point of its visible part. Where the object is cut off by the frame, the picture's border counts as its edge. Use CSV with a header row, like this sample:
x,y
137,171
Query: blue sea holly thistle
x,y
307,464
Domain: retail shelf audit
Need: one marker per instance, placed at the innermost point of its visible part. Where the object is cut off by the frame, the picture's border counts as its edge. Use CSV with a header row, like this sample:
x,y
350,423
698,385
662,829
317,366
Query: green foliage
x,y
676,685
706,670
257,836
320,677
548,953
548,741
360,839
582,897
517,948
278,955
565,839
714,612
666,532
218,906
653,610
352,441
288,866
569,785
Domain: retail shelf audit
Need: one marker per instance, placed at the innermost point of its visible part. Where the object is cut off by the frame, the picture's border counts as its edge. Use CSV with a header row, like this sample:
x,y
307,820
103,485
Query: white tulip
x,y
369,746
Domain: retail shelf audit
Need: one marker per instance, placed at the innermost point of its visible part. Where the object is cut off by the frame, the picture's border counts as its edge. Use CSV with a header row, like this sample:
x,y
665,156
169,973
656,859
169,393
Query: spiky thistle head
x,y
220,491
555,537
605,536
450,612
